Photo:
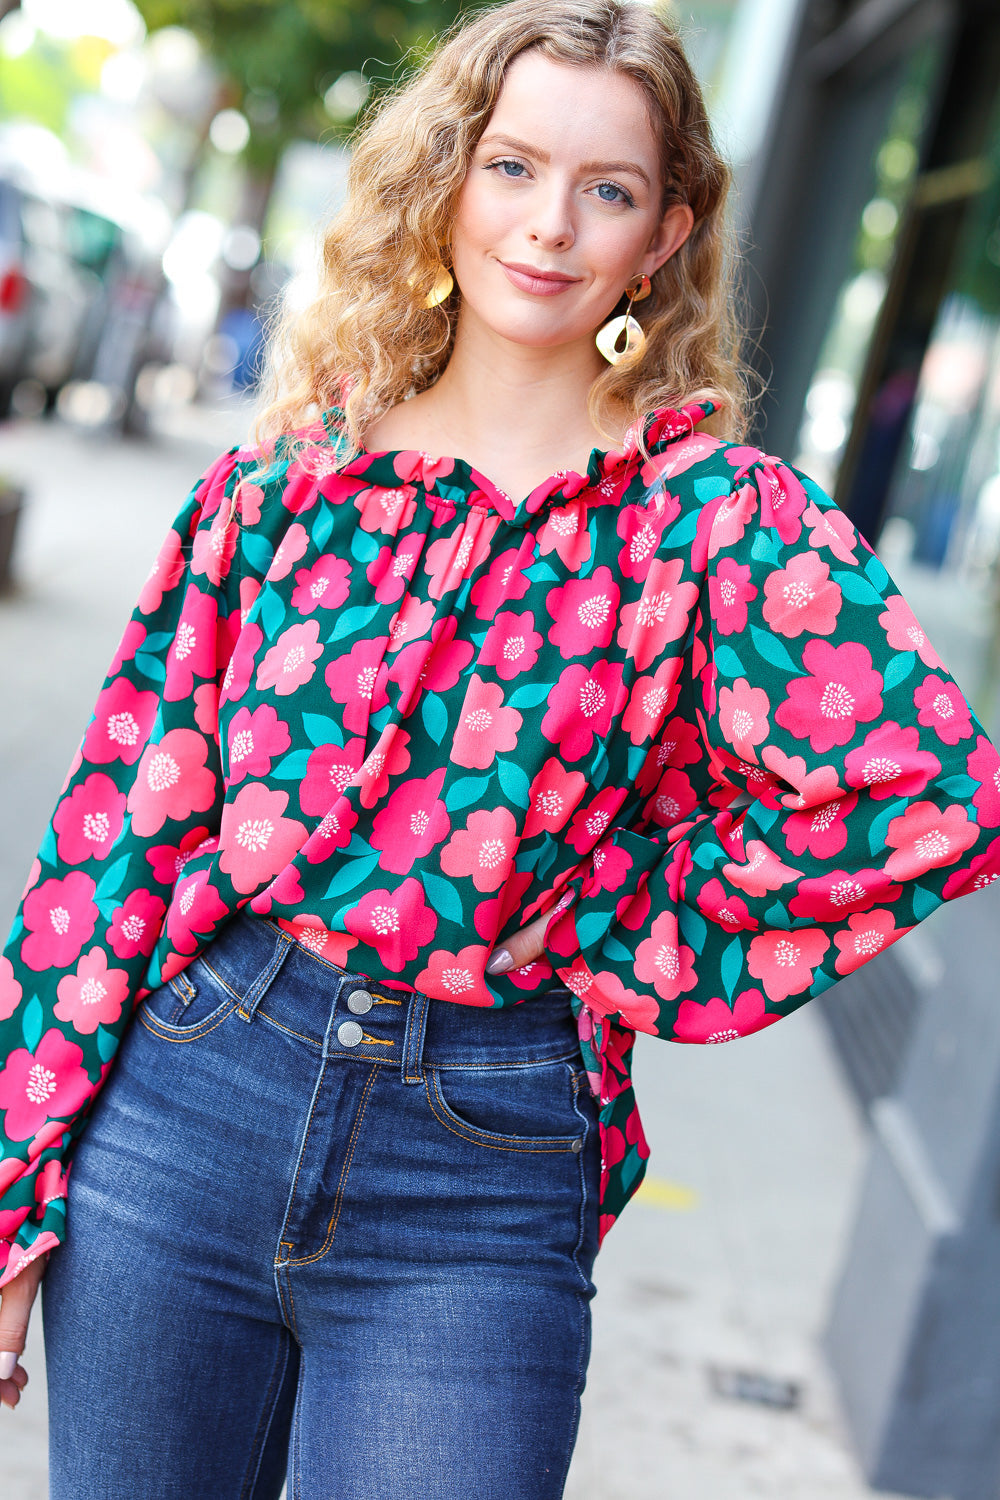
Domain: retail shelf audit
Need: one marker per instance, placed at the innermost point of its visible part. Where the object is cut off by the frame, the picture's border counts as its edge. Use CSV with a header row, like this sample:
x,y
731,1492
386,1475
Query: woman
x,y
502,679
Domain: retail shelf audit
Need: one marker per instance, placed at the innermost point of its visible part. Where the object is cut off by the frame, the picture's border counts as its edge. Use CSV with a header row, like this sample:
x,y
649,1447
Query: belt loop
x,y
266,978
413,1044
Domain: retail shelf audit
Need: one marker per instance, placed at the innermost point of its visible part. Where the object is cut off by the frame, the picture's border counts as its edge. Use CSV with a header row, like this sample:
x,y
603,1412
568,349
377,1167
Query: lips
x,y
540,283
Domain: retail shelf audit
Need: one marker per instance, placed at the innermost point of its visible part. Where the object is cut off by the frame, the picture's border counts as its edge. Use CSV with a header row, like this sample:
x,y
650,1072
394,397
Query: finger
x,y
520,948
15,1309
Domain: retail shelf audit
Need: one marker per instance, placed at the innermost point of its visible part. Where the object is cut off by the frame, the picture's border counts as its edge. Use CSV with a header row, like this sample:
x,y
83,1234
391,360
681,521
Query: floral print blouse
x,y
675,701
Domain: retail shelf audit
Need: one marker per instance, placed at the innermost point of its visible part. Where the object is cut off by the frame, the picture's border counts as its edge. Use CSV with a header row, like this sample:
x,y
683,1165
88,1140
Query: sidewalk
x,y
727,1257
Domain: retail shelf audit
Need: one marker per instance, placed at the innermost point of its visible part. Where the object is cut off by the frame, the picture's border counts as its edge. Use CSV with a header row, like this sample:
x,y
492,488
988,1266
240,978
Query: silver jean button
x,y
359,1002
349,1033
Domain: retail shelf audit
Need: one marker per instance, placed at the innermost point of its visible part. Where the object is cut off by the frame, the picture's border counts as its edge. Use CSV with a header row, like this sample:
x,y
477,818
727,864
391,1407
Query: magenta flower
x,y
357,680
841,691
333,832
136,924
485,727
293,546
36,1087
590,822
60,916
867,933
553,795
255,839
802,597
743,712
89,820
512,644
565,532
663,961
386,510
323,586
413,619
240,667
393,569
195,911
397,924
661,615
673,800
943,707
725,909
583,705
826,897
172,781
722,522
450,560
194,651
212,550
255,740
784,962
413,820
729,593
983,870
904,632
715,1022
121,725
94,995
763,871
422,468
925,837
609,867
432,666
390,757
330,770
821,830
641,527
983,765
833,530
10,990
169,861
291,661
891,762
650,700
165,574
584,613
504,582
457,975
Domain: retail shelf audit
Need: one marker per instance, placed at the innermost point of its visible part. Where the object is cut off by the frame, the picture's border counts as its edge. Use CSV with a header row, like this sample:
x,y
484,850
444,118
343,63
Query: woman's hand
x,y
521,948
15,1309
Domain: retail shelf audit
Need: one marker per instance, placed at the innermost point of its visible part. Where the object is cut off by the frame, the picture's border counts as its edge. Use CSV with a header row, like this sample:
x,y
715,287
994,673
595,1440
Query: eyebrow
x,y
587,166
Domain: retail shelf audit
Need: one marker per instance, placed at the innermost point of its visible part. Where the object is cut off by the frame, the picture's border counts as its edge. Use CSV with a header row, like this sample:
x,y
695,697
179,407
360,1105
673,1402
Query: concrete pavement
x,y
726,1259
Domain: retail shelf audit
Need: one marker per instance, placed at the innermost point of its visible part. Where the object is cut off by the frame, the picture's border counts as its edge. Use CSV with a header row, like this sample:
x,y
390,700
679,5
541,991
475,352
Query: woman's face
x,y
560,207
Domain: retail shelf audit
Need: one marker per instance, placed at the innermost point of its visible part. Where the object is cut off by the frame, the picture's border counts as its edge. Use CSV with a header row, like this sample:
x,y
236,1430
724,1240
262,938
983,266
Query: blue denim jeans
x,y
322,1226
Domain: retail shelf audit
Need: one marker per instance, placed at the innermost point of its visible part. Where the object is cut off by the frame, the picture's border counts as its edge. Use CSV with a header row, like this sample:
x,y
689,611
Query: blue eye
x,y
509,168
604,188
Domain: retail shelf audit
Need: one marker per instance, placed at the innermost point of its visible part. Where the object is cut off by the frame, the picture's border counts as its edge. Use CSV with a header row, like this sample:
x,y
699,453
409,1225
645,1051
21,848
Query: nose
x,y
551,221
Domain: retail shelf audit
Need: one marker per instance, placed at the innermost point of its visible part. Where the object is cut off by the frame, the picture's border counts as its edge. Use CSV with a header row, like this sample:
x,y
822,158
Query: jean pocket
x,y
525,1107
188,1006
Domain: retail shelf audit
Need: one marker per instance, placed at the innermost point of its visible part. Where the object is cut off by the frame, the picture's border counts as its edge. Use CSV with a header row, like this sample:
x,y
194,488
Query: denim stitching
x,y
298,1165
182,987
492,1140
414,1040
334,968
583,1299
520,1063
331,1228
259,1441
193,1032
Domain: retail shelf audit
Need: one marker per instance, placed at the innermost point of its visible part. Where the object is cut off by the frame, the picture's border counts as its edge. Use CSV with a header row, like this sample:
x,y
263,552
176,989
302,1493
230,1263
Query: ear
x,y
673,229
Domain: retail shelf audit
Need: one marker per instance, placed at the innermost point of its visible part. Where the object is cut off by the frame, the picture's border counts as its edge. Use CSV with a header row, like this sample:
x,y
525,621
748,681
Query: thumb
x,y
522,947
16,1301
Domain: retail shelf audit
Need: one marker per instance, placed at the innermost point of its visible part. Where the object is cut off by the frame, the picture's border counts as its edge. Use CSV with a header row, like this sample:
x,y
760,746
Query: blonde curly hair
x,y
368,341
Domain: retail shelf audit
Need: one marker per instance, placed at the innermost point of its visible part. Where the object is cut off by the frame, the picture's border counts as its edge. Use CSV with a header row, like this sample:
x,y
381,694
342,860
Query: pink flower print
x,y
802,597
729,593
660,616
832,529
867,933
650,699
841,691
171,781
983,870
392,569
942,706
715,1022
784,962
891,762
432,665
94,995
761,872
584,613
456,976
451,559
196,908
212,549
582,705
485,727
827,897
331,769
782,498
673,800
552,797
491,917
743,717
331,833
10,990
255,739
591,822
358,680
663,961
249,499
679,457
504,582
904,632
512,644
165,574
822,830
608,996
323,586
35,1088
724,909
255,839
983,765
291,661
390,757
132,639
89,820
422,468
136,924
169,861
641,528
240,667
609,866
121,725
482,849
396,924
565,532
293,546
193,651
810,787
926,837
413,820
386,510
679,745
722,522
60,916
309,930
206,709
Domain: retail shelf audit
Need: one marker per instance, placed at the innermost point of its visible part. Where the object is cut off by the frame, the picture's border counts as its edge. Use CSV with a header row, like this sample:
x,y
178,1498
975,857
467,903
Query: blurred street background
x,y
803,1302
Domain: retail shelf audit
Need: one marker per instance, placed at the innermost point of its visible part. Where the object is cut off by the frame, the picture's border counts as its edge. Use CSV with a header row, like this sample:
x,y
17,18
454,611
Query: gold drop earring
x,y
610,336
441,287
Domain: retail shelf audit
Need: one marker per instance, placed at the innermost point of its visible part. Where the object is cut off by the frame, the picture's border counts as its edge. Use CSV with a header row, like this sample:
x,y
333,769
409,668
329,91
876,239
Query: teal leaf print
x,y
110,882
591,927
959,786
856,588
707,855
728,662
465,791
732,966
47,852
258,551
693,928
682,533
435,717
150,666
322,527
767,548
777,916
442,897
770,648
158,641
636,760
514,783
880,825
529,696
107,1044
272,611
616,952
322,731
353,621
540,572
364,547
350,876
898,669
292,767
924,902
876,572
31,1023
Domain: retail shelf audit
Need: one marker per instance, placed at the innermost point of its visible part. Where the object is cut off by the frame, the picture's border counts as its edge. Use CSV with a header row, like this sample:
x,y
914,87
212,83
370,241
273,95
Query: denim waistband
x,y
350,1015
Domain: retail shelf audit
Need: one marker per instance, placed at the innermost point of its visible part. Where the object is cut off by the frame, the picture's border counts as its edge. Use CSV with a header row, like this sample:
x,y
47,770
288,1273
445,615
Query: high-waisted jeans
x,y
320,1225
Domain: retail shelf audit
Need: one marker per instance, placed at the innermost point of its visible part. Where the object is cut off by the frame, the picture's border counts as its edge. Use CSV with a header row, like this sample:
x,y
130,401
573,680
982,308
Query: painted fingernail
x,y
8,1362
500,962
